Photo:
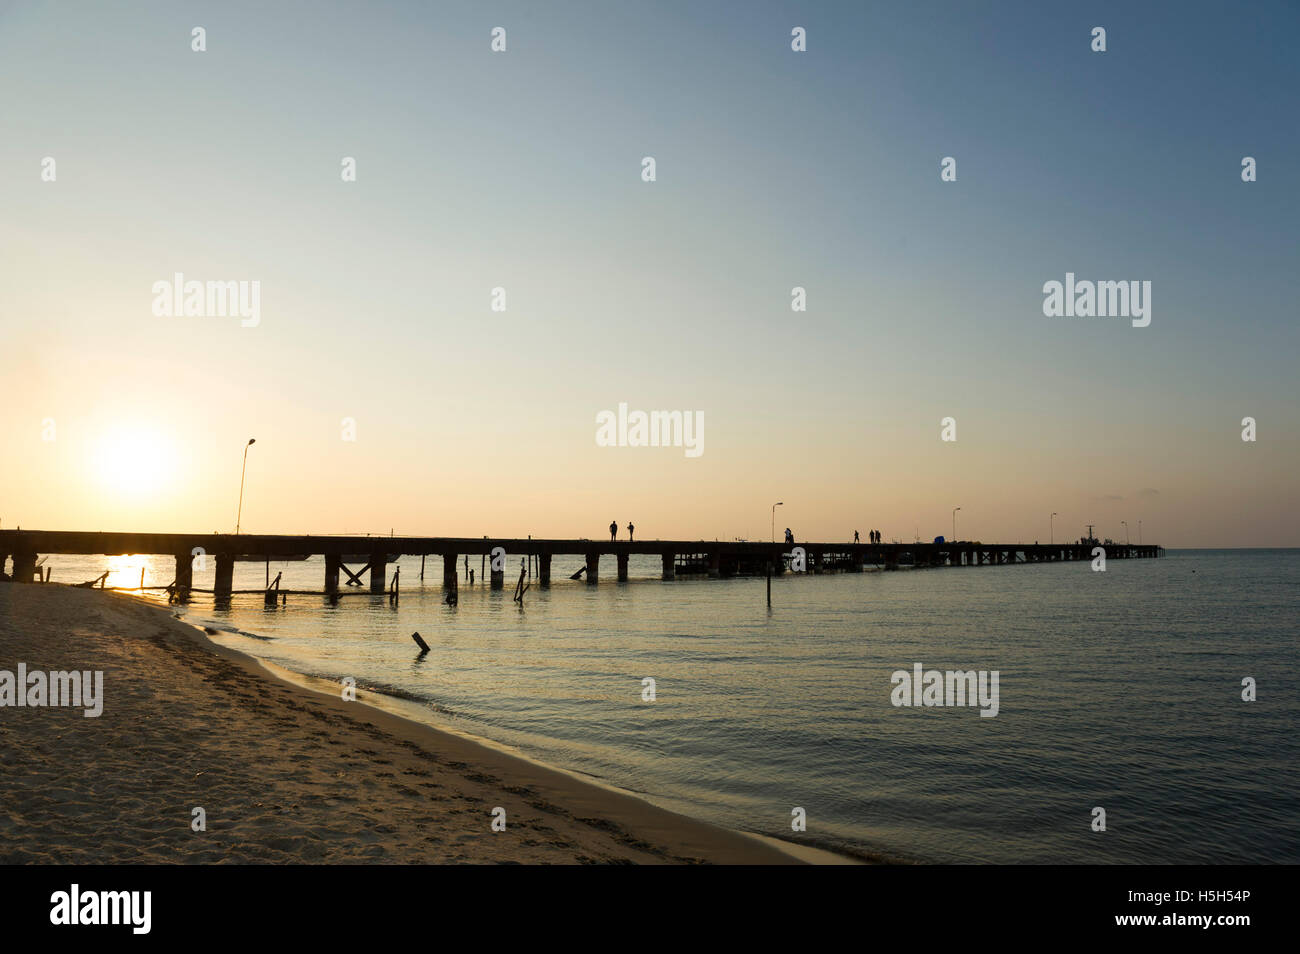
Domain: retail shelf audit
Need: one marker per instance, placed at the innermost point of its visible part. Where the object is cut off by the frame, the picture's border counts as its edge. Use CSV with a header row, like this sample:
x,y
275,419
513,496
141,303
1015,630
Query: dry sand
x,y
284,773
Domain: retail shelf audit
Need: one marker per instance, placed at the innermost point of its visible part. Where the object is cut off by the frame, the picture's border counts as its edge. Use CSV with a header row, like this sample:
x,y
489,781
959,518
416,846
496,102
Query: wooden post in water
x,y
669,567
422,556
769,584
622,567
332,562
449,571
378,568
544,569
593,568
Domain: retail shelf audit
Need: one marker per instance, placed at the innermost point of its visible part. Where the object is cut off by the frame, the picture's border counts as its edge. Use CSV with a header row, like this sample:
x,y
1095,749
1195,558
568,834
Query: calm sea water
x,y
1119,689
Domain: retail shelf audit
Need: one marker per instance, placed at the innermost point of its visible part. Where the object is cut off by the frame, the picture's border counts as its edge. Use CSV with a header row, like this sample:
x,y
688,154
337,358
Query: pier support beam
x,y
670,567
24,567
622,567
499,577
184,575
332,563
225,581
544,569
378,567
715,566
593,569
449,571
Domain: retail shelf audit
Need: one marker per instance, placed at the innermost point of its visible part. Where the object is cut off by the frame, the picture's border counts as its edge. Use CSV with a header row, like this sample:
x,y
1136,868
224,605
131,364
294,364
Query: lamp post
x,y
240,514
779,503
1051,528
954,523
1139,533
1125,523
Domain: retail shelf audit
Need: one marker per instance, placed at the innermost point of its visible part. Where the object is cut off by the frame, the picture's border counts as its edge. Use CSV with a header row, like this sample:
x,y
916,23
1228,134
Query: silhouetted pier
x,y
712,558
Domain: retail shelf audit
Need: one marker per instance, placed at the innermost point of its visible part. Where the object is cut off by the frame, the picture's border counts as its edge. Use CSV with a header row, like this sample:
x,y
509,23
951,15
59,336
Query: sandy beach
x,y
284,774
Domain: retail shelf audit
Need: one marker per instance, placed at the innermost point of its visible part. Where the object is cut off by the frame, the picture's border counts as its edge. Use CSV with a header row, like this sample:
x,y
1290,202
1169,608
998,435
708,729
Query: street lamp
x,y
779,503
1139,533
240,514
954,523
1051,528
1125,523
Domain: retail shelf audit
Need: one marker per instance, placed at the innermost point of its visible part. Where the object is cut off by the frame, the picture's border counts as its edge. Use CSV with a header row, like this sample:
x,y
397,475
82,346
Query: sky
x,y
774,169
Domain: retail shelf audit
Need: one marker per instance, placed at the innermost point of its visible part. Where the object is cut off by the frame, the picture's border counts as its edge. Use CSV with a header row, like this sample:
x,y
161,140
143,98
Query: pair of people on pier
x,y
613,530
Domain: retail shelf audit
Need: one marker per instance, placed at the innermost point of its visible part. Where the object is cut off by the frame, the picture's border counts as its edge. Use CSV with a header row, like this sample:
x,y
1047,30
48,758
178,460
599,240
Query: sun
x,y
133,461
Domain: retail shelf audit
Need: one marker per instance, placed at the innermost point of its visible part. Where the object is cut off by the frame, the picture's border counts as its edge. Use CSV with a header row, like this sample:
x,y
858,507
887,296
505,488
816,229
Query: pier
x,y
712,558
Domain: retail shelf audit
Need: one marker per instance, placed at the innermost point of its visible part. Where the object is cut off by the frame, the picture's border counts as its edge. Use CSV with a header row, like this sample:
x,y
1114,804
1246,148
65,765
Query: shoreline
x,y
554,816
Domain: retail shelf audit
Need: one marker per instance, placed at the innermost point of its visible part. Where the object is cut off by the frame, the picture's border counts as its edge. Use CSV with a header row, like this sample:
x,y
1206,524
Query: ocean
x,y
1120,691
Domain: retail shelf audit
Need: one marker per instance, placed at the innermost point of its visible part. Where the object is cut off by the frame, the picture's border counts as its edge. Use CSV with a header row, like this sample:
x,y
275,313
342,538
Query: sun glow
x,y
133,461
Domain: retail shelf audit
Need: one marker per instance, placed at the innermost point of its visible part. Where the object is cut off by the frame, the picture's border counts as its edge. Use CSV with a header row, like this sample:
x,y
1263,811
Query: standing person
x,y
789,537
630,530
613,530
855,536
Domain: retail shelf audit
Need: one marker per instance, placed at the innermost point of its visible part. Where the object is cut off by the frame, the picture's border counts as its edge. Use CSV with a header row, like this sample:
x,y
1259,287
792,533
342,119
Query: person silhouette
x,y
630,530
613,530
789,537
855,536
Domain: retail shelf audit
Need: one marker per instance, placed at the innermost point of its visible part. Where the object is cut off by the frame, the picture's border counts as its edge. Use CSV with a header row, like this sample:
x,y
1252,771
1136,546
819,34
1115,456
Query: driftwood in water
x,y
521,587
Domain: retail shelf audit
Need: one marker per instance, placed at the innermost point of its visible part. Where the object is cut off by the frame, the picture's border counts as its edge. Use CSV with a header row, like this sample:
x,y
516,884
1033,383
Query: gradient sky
x,y
775,169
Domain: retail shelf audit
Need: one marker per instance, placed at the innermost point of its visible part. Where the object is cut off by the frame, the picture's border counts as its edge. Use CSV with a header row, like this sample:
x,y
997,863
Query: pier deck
x,y
715,558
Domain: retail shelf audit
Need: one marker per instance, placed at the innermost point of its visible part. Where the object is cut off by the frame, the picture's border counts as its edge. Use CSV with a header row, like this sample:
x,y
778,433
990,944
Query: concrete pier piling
x,y
332,563
184,575
24,566
225,580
